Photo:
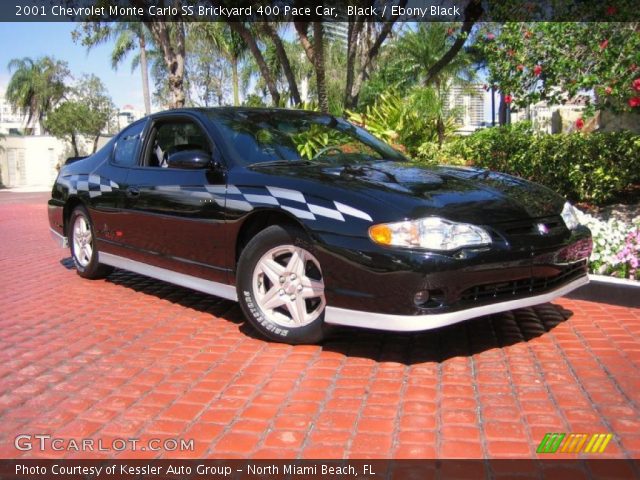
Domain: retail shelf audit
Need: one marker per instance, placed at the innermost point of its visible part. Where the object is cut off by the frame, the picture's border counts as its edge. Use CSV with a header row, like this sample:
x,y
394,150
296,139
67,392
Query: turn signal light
x,y
380,234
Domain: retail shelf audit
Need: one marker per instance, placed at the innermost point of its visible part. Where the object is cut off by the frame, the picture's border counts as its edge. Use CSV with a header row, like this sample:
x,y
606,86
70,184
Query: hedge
x,y
585,167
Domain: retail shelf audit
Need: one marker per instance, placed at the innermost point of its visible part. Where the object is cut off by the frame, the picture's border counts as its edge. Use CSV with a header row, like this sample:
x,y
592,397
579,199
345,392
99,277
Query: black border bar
x,y
319,10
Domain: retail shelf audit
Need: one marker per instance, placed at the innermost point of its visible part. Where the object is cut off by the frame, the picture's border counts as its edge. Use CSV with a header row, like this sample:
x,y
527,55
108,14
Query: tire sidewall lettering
x,y
260,318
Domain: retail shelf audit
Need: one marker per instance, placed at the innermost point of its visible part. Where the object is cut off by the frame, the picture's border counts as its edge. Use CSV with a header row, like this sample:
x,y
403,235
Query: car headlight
x,y
432,233
569,216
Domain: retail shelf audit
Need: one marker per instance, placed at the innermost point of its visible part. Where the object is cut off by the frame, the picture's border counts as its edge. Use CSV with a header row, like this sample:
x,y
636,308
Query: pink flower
x,y
636,84
490,36
520,67
537,70
579,123
508,99
603,44
634,102
608,90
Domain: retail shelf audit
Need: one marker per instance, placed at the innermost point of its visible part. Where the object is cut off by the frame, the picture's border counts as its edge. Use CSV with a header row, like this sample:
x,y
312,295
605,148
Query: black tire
x,y
87,266
273,324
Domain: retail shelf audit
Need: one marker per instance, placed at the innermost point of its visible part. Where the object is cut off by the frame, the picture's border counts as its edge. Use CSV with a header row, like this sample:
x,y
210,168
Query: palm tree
x,y
314,48
230,45
418,50
128,37
36,86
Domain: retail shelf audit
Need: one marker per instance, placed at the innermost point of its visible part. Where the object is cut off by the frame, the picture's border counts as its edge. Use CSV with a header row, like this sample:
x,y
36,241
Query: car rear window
x,y
125,153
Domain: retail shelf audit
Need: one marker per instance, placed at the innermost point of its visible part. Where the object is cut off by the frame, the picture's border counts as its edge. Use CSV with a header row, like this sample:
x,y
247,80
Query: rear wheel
x,y
83,247
281,286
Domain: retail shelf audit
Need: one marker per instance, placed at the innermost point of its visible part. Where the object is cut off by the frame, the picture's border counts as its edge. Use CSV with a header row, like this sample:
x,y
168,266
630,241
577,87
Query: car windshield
x,y
257,137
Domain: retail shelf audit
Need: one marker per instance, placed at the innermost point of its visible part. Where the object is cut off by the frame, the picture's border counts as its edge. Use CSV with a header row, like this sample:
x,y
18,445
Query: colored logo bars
x,y
574,443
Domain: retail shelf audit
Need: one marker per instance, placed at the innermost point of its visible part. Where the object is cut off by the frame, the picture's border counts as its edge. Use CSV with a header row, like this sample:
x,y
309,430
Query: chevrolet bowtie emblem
x,y
542,229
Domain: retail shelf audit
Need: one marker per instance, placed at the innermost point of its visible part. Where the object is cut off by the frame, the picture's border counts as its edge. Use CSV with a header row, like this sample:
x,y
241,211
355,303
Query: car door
x,y
175,216
105,188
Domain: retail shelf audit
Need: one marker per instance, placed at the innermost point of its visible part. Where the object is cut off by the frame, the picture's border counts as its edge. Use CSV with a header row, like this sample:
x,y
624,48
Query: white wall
x,y
33,160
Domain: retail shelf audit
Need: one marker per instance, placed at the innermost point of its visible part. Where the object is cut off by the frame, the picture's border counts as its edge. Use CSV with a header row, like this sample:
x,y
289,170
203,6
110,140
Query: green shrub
x,y
407,123
591,167
433,154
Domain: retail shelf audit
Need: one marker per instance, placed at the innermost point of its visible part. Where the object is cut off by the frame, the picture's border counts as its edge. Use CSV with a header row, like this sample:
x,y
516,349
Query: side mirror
x,y
189,159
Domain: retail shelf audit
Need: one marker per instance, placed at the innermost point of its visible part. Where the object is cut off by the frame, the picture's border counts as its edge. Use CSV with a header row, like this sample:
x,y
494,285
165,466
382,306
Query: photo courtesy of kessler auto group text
x,y
386,239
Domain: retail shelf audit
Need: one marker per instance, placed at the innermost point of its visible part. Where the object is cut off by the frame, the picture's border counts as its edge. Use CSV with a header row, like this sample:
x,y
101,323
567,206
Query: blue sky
x,y
54,38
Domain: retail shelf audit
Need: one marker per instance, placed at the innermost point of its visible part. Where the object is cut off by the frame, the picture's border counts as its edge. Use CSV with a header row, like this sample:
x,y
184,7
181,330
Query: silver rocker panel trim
x,y
415,323
188,281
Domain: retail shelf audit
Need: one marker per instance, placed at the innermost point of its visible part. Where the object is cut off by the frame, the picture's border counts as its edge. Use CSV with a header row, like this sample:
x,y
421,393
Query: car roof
x,y
243,112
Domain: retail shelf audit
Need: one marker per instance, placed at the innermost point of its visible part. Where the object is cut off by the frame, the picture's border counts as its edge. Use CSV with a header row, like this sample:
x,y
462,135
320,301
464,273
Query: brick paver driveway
x,y
129,357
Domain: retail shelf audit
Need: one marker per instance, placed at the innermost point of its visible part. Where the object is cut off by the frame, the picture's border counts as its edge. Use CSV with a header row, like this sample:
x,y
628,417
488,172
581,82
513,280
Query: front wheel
x,y
281,286
83,246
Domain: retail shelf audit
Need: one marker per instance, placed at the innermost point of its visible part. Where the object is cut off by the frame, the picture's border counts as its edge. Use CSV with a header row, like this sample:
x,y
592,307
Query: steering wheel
x,y
324,150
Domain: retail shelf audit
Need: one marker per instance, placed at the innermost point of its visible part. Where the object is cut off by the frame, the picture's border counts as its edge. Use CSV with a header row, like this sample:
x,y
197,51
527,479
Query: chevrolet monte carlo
x,y
309,221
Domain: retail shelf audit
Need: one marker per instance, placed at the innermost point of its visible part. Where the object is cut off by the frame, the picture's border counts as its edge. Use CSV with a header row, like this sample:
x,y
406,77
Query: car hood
x,y
460,194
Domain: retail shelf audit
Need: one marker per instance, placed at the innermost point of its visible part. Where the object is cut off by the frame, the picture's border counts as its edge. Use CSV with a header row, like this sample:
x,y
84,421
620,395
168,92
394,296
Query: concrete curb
x,y
611,290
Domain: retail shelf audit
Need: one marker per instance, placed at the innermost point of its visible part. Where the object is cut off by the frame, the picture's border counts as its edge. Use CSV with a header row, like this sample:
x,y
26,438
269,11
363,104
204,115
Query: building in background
x,y
554,118
34,160
14,122
30,159
467,104
127,115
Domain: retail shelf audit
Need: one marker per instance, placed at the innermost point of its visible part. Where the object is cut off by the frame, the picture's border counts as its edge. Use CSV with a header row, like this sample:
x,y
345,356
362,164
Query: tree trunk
x,y
353,34
284,62
235,80
144,70
502,111
176,85
74,144
440,128
472,13
318,46
241,30
303,34
173,53
355,82
95,143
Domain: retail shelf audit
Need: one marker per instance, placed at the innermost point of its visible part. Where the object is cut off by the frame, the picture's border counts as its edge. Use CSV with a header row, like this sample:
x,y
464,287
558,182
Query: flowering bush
x,y
554,61
630,254
616,246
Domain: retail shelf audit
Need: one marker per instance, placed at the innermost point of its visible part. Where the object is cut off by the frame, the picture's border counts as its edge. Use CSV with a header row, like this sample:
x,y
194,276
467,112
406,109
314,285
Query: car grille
x,y
500,291
552,225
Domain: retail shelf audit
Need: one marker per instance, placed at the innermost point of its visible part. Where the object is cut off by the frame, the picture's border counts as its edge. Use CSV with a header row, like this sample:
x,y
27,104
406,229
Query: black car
x,y
308,221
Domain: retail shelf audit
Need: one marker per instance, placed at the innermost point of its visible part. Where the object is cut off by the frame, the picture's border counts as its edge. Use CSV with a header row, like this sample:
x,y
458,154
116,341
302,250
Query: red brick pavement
x,y
130,357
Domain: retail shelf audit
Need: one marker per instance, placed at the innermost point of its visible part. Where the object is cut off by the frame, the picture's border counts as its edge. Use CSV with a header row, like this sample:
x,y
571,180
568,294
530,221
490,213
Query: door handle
x,y
133,192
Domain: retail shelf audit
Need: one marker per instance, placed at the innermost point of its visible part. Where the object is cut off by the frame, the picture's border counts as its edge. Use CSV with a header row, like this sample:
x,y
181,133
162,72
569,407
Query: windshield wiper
x,y
280,163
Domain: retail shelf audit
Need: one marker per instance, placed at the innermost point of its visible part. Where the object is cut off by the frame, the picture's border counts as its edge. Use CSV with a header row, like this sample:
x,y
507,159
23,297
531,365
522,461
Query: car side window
x,y
174,136
125,152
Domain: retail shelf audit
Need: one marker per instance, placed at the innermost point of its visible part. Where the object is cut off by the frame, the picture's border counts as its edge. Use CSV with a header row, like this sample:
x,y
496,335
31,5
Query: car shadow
x,y
182,296
459,340
462,339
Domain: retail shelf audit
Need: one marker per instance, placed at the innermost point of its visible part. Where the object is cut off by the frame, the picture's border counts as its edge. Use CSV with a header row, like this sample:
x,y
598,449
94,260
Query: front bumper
x,y
377,287
415,323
